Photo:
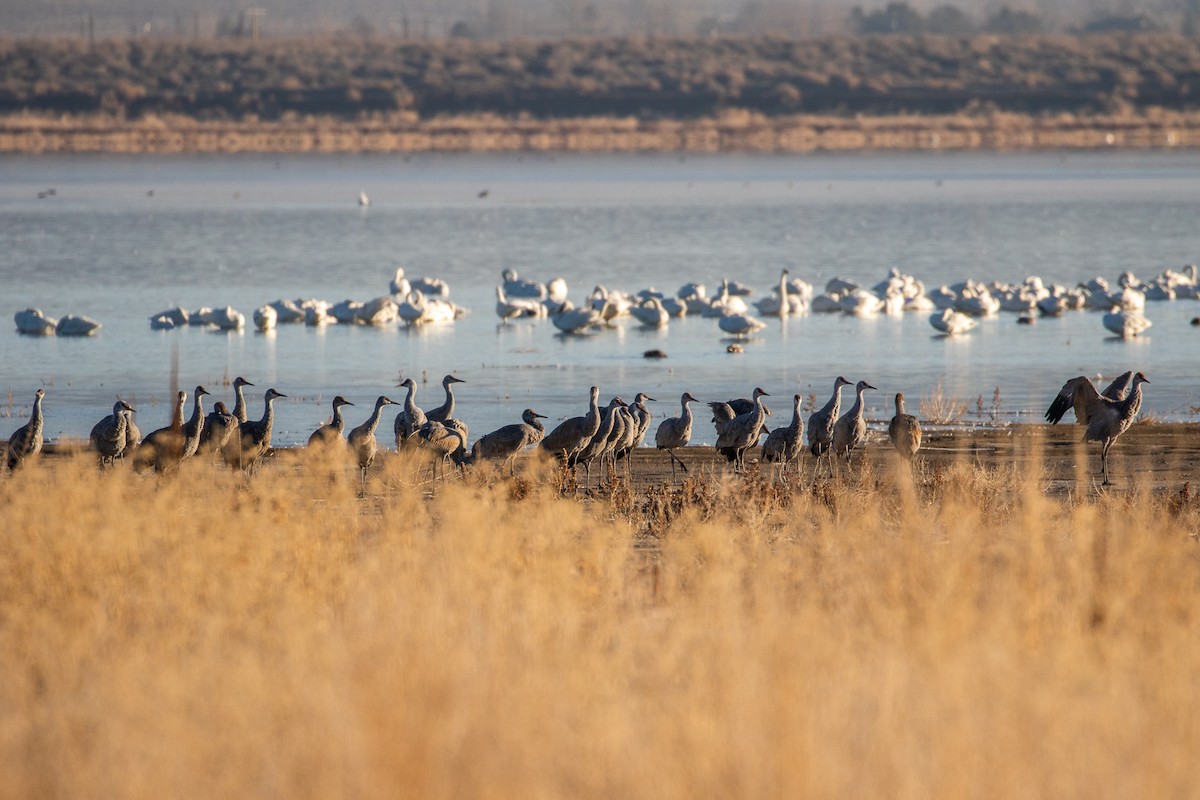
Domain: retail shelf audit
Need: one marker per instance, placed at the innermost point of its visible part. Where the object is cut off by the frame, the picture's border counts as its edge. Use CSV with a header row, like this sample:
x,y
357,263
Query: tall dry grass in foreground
x,y
204,636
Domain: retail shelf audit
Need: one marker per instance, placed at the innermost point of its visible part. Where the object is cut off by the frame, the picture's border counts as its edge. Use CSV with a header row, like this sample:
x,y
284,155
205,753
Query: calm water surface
x,y
123,238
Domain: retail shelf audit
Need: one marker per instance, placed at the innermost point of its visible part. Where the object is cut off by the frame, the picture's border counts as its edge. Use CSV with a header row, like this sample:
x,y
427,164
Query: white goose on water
x,y
1126,324
951,322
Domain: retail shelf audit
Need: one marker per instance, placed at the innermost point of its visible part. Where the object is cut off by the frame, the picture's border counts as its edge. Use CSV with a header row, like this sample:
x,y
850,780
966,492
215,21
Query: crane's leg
x,y
672,455
1104,460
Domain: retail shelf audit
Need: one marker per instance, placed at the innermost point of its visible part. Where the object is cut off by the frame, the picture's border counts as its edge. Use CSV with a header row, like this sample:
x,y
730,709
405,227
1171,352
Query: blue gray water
x,y
124,237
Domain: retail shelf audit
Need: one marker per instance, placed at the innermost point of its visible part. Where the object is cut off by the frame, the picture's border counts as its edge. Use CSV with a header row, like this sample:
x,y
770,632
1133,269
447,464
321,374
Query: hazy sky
x,y
512,17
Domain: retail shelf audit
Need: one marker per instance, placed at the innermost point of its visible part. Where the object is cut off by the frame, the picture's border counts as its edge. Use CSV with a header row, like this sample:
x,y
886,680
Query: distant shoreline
x,y
731,132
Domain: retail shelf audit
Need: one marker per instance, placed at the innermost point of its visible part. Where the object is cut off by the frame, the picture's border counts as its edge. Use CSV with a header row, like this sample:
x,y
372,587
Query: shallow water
x,y
123,238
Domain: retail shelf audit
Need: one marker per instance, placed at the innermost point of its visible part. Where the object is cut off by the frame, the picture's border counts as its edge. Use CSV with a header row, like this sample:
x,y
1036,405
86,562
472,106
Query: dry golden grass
x,y
204,635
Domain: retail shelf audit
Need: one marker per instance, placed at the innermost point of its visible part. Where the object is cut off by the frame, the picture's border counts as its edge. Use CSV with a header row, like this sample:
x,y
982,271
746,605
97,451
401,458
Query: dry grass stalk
x,y
203,635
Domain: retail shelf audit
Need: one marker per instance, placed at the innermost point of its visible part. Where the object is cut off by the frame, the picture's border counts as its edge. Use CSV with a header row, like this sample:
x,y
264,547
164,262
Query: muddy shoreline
x,y
1157,457
734,132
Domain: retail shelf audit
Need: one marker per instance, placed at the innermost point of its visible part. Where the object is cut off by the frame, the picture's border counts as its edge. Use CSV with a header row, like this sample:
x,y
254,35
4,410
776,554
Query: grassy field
x,y
965,634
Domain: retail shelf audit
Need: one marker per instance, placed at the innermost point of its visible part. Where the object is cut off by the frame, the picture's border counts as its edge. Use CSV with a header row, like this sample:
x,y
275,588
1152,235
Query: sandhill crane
x,y
133,436
905,431
331,433
411,417
162,439
635,434
26,441
1117,390
851,429
445,411
742,432
821,422
255,435
508,441
362,438
623,433
166,447
573,434
597,445
1104,419
219,426
676,432
215,429
239,399
444,440
784,445
108,436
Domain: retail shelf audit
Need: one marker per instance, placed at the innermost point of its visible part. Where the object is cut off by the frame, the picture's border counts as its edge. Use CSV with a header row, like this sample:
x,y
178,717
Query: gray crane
x,y
1117,390
784,445
166,447
133,436
362,438
905,431
411,417
597,445
26,441
676,432
821,422
216,429
743,431
239,399
254,436
506,442
446,410
1104,419
219,426
108,436
147,453
445,440
642,416
725,412
331,432
573,434
851,429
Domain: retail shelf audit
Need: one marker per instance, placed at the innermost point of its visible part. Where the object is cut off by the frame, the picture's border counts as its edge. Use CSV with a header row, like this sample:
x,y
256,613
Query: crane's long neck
x,y
197,419
268,417
373,422
899,406
835,403
338,421
593,415
760,411
449,401
1132,403
177,420
35,419
118,420
856,409
797,422
410,402
685,416
239,404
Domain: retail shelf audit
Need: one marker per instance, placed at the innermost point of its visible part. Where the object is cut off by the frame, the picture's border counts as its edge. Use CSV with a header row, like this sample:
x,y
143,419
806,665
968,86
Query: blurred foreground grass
x,y
200,635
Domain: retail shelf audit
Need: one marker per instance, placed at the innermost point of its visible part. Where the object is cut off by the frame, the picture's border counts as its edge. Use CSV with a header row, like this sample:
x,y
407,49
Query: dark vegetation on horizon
x,y
644,77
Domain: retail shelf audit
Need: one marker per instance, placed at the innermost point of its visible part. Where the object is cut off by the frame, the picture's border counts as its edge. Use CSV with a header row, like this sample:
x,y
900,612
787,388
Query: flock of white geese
x,y
953,309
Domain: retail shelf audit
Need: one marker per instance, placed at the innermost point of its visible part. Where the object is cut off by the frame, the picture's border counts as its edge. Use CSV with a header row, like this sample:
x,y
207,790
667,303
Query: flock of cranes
x,y
605,434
